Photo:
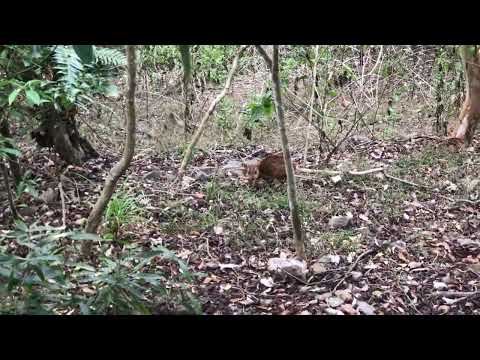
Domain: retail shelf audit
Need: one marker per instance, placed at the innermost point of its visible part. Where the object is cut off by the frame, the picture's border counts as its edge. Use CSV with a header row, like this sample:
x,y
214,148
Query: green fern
x,y
109,57
68,65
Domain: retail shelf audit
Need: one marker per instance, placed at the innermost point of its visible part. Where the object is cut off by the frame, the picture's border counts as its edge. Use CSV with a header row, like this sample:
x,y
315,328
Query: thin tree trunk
x,y
291,189
8,190
117,171
211,109
470,112
312,100
187,98
12,160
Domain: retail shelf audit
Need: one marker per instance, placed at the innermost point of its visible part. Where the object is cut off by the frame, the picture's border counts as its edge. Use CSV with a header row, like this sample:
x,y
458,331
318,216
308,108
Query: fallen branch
x,y
466,294
335,172
405,181
62,197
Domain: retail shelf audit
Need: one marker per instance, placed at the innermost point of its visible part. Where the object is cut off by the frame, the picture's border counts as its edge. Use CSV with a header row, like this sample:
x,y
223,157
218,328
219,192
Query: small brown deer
x,y
269,168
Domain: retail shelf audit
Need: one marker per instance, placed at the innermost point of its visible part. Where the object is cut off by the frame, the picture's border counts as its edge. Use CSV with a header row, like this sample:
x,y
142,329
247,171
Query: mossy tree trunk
x,y
59,130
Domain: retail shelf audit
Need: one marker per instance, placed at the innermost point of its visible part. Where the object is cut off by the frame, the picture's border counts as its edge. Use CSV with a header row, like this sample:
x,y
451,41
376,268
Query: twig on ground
x,y
62,197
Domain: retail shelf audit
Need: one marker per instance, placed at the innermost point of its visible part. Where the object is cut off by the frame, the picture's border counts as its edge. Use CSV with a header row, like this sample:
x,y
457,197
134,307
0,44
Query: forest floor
x,y
411,246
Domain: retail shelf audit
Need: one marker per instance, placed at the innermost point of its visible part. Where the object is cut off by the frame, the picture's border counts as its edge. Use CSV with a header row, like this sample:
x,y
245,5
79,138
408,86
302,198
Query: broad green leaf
x,y
84,52
13,95
39,272
21,225
32,97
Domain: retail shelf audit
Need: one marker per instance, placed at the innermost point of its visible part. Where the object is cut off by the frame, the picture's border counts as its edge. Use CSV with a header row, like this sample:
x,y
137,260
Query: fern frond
x,y
68,65
110,57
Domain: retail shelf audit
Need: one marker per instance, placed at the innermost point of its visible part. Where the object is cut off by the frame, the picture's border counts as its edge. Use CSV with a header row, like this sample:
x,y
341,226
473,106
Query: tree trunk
x,y
4,171
117,171
291,189
188,101
58,130
470,112
12,160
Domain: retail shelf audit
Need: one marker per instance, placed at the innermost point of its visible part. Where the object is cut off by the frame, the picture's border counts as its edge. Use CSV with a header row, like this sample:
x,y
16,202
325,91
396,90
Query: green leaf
x,y
85,236
32,97
13,95
11,151
39,272
21,225
85,53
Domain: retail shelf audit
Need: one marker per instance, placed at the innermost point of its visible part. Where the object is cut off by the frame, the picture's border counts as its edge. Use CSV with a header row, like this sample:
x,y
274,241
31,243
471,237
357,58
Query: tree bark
x,y
4,170
12,160
470,112
211,109
58,130
291,189
117,171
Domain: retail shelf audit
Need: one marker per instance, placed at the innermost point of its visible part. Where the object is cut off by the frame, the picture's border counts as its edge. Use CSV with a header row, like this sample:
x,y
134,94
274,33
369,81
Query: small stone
x,y
338,222
438,285
49,196
153,175
336,179
318,268
365,308
356,275
414,265
334,301
348,309
331,311
345,295
324,296
305,312
267,282
292,266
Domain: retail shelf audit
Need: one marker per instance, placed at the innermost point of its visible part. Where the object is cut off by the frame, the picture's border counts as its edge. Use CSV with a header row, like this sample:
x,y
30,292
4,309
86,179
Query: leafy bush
x,y
38,276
